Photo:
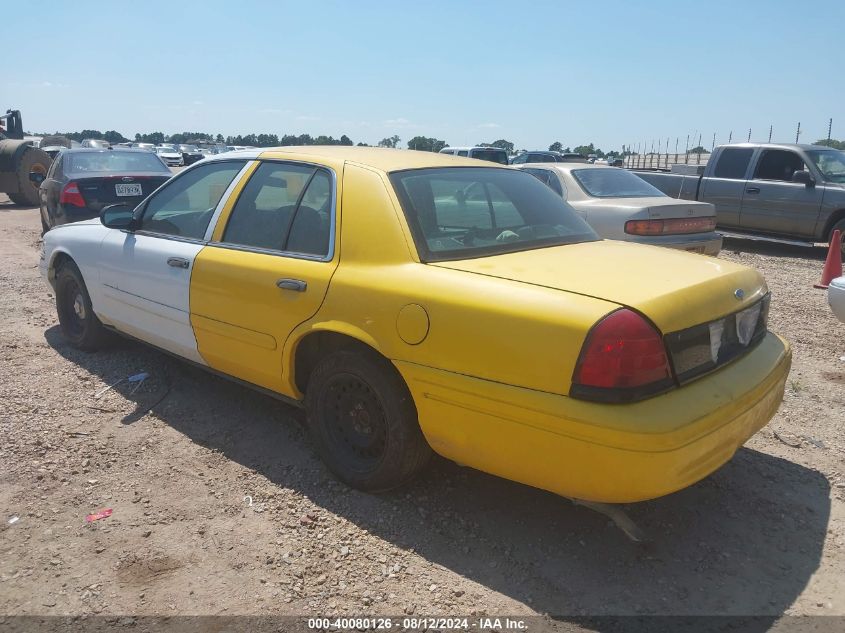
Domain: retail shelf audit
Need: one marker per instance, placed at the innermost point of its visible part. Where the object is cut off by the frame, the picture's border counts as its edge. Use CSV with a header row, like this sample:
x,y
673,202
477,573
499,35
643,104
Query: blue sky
x,y
611,72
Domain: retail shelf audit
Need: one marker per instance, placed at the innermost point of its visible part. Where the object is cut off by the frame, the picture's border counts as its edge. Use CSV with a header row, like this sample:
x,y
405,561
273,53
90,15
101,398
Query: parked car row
x,y
474,313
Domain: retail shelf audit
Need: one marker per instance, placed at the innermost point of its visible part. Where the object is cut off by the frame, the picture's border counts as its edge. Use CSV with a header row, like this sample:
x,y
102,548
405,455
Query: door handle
x,y
292,284
178,262
753,190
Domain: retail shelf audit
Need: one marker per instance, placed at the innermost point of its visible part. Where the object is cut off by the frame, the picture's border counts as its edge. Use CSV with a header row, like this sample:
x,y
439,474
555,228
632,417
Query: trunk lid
x,y
100,190
676,290
663,208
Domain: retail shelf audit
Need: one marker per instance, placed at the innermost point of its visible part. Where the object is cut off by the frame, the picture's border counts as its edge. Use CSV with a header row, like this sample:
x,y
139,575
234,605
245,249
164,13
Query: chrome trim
x,y
212,223
267,251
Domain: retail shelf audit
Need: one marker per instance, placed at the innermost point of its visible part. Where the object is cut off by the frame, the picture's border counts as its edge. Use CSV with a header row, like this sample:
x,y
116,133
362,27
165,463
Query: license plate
x,y
133,189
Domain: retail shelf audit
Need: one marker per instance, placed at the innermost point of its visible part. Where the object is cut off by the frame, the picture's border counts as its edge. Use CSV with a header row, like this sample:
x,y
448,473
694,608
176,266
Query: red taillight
x,y
70,195
672,226
623,359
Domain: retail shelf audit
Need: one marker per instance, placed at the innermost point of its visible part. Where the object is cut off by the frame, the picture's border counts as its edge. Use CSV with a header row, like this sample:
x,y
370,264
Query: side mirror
x,y
36,178
118,216
804,177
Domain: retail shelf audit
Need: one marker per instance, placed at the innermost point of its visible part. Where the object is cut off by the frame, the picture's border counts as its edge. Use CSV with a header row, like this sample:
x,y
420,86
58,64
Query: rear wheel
x,y
363,421
80,326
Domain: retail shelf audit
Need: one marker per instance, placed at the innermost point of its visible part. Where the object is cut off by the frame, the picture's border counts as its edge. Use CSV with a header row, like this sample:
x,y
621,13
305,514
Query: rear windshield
x,y
466,212
113,161
494,155
614,183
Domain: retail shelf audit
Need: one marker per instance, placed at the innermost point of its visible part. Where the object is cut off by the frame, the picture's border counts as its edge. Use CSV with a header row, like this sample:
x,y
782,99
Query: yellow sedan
x,y
416,302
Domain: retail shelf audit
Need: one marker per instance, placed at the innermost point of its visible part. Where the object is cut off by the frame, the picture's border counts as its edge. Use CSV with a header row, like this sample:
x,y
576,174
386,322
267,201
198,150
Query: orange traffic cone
x,y
833,263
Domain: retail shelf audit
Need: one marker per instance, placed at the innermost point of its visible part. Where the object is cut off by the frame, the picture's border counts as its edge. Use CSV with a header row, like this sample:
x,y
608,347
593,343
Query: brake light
x,y
671,226
622,360
70,195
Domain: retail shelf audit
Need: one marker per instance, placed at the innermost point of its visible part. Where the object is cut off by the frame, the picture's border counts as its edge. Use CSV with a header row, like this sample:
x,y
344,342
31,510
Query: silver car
x,y
621,206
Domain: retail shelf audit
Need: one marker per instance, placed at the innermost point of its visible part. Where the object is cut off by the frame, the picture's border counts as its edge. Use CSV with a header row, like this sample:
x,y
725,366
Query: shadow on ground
x,y
774,249
743,542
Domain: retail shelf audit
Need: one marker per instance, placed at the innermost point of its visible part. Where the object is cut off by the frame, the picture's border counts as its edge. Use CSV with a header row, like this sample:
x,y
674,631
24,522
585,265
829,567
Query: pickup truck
x,y
781,191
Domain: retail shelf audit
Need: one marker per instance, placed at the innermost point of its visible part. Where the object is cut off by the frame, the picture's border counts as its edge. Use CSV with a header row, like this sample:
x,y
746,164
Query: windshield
x,y
494,155
830,162
614,183
113,161
466,212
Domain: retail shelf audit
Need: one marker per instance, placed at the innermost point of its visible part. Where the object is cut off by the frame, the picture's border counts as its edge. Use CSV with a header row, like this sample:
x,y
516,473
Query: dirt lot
x,y
765,535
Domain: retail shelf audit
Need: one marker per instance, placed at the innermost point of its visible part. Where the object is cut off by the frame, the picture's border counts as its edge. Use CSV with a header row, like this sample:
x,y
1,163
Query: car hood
x,y
674,289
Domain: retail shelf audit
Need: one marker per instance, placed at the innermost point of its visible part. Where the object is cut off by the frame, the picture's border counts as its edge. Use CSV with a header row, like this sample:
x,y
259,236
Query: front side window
x,y
284,207
461,213
733,162
522,158
778,164
830,162
610,182
184,206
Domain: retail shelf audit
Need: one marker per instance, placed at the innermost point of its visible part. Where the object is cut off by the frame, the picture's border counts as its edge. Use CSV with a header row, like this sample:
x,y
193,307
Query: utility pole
x,y
686,152
770,133
713,144
829,129
749,135
798,131
730,136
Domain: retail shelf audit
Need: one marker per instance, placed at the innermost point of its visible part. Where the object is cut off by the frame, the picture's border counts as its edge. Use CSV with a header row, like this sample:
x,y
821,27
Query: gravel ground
x,y
220,507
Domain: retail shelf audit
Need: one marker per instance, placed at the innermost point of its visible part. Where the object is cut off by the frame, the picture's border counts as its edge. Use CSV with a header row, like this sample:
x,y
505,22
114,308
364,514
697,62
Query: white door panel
x,y
146,296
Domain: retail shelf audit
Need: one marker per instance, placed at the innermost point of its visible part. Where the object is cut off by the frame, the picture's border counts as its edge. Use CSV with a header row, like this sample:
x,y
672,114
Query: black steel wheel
x,y
80,326
363,421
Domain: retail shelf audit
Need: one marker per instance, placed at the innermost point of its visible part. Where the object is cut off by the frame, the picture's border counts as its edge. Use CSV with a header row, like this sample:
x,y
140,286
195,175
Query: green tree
x,y
503,144
557,146
698,150
391,141
345,140
426,144
832,143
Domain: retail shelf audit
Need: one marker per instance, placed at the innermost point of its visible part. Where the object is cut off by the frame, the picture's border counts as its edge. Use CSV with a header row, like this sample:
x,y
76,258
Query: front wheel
x,y
363,421
80,326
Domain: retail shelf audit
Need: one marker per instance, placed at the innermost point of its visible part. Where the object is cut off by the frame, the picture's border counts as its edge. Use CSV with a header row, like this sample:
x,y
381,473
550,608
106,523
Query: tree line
x,y
420,143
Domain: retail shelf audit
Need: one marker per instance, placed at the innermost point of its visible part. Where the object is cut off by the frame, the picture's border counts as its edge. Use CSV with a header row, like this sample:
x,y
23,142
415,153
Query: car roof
x,y
103,150
563,166
803,146
381,158
468,147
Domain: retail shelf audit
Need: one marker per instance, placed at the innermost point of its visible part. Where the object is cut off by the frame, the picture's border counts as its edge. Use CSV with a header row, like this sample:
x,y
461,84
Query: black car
x,y
190,153
548,157
80,182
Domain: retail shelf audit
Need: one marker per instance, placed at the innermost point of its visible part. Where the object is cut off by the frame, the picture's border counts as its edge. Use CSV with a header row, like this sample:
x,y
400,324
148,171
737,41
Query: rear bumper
x,y
601,452
705,243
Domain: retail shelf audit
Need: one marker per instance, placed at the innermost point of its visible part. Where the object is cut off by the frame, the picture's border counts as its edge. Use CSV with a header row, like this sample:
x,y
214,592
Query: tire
x,y
80,326
44,226
31,160
363,422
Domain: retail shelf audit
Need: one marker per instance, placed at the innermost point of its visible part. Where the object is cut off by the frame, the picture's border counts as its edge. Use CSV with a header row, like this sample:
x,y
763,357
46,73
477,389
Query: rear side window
x,y
733,162
462,152
284,207
548,178
494,155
